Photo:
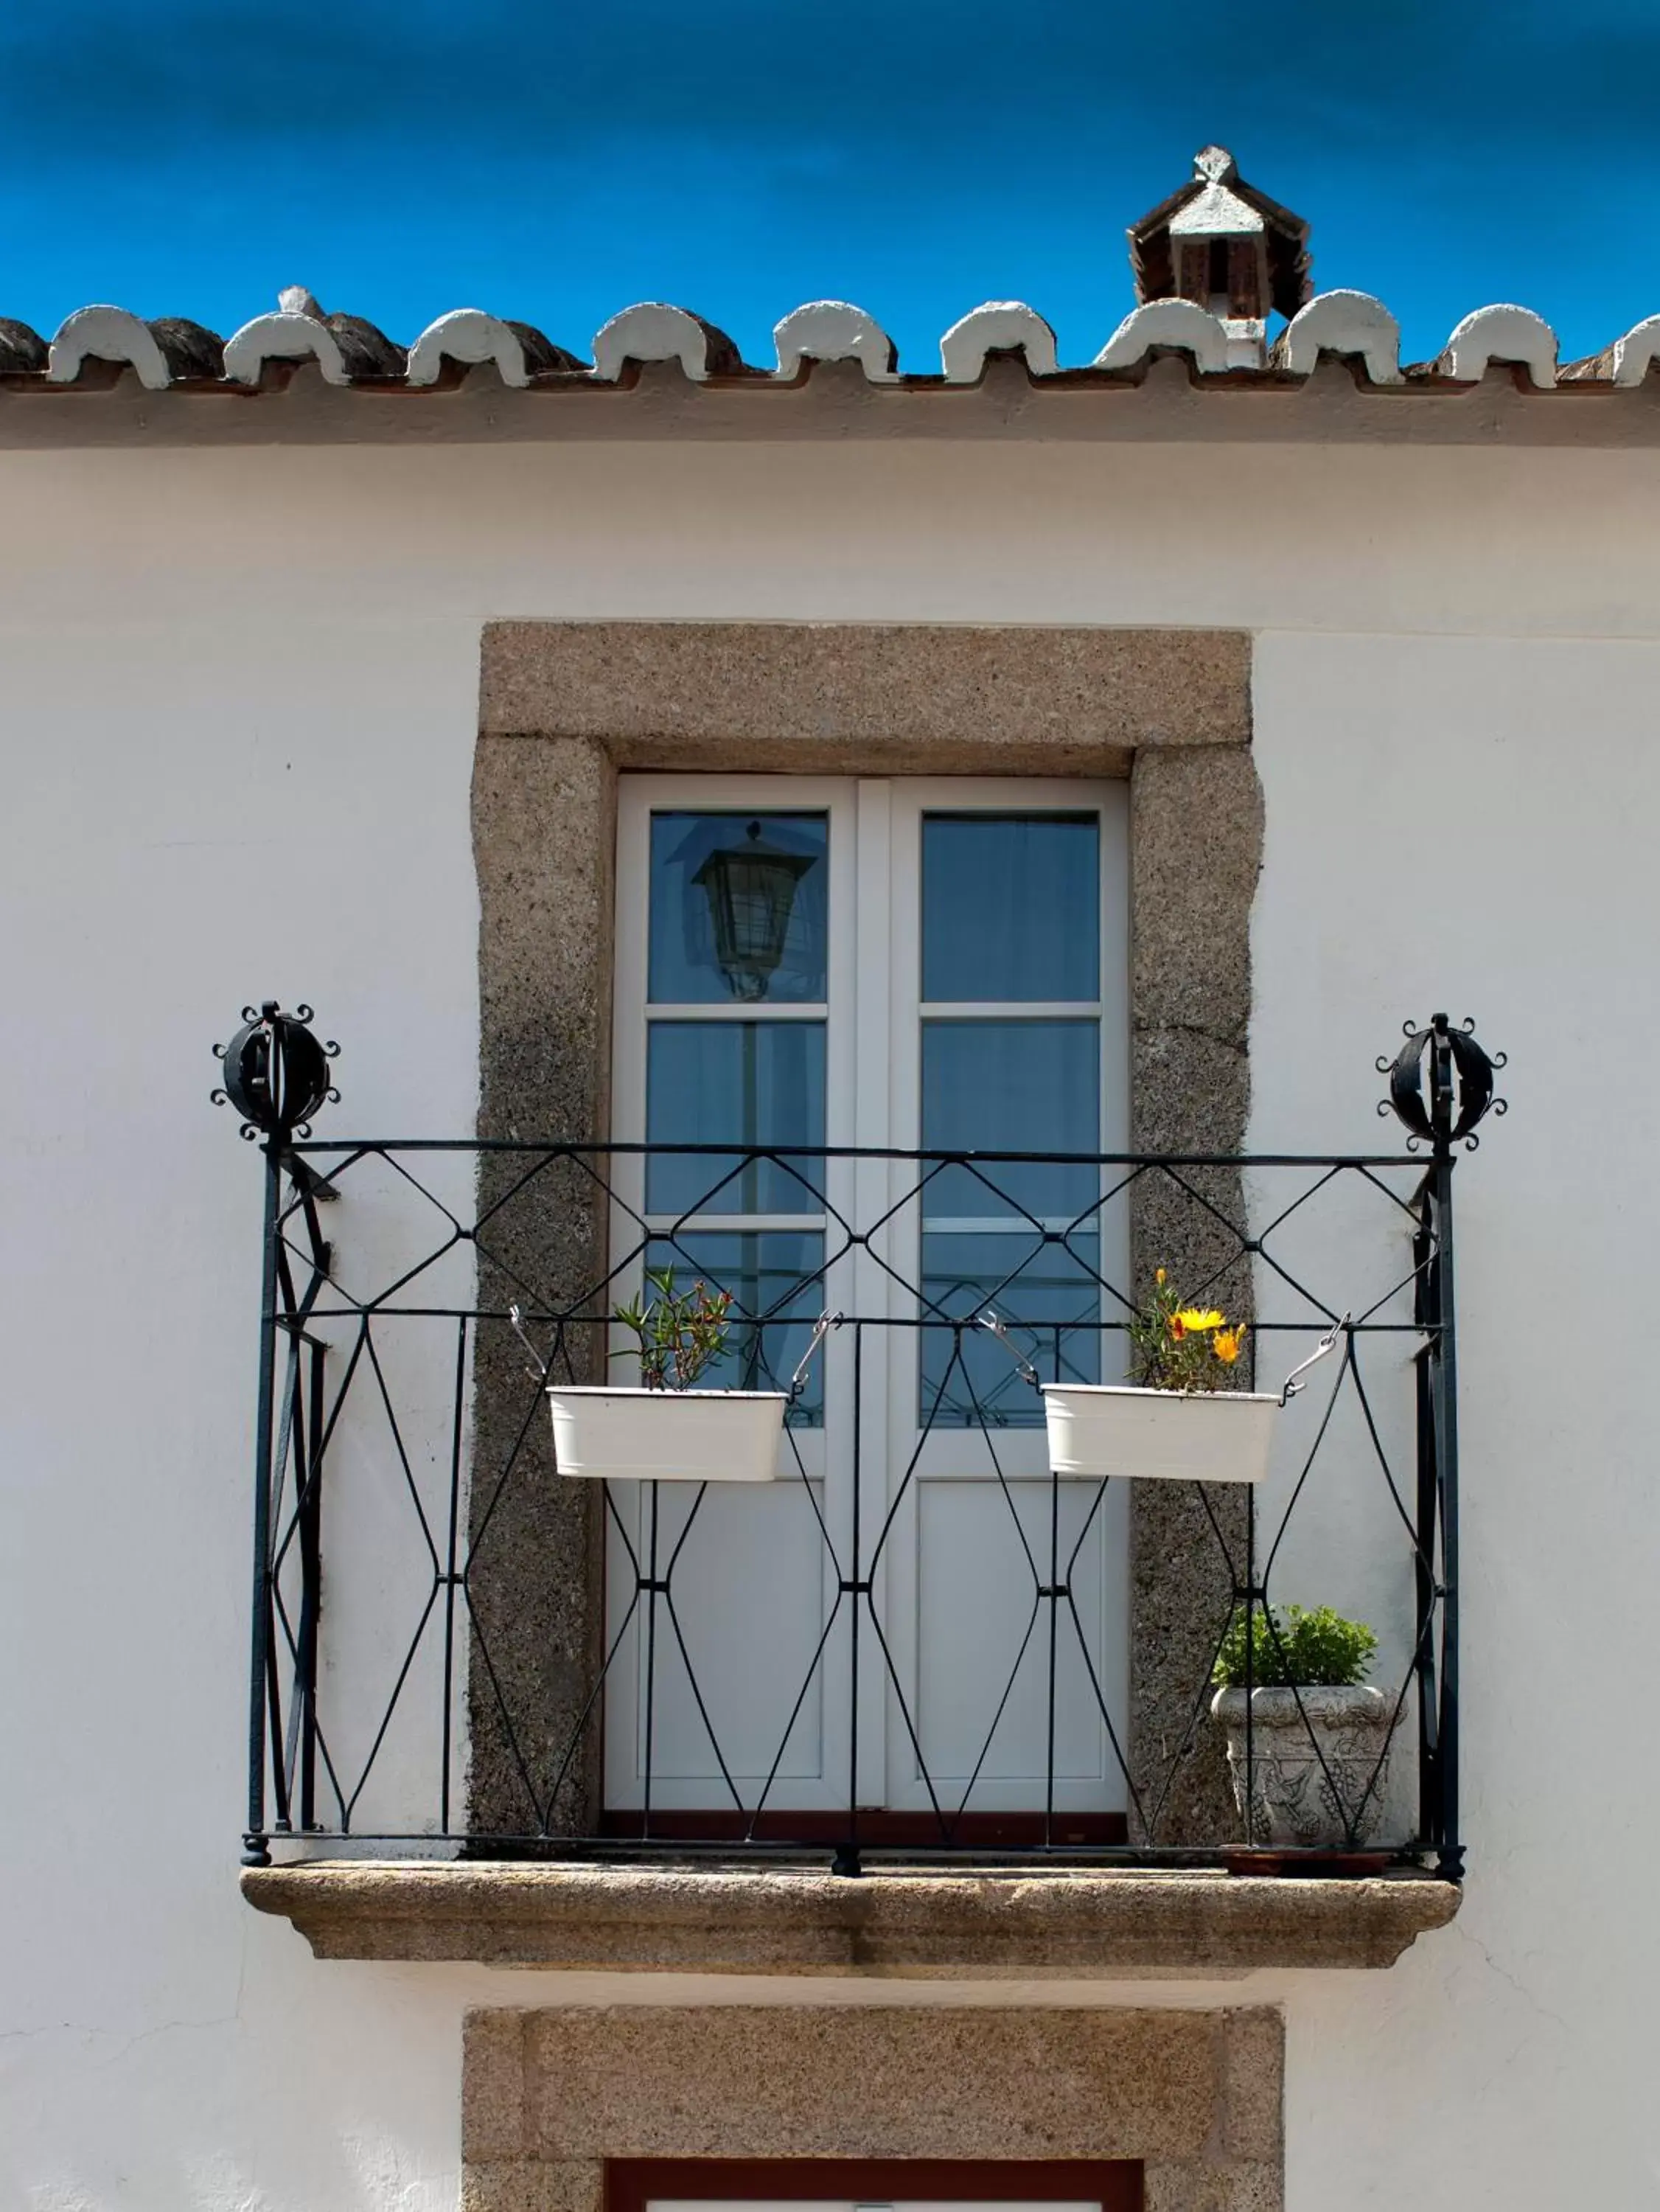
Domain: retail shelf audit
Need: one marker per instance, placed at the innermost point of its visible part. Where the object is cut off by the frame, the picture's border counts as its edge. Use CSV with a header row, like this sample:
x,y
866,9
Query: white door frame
x,y
873,1014
806,1452
957,1455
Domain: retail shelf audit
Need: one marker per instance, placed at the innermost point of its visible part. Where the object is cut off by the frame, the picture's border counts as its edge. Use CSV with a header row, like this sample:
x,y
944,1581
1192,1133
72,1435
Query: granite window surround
x,y
566,708
548,2096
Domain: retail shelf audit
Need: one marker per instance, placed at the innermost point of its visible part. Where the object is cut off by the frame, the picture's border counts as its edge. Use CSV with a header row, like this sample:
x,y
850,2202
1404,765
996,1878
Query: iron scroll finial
x,y
1440,1083
276,1072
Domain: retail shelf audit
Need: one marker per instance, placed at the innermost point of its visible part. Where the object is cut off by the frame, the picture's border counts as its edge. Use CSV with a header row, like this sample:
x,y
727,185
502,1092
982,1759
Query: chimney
x,y
1228,247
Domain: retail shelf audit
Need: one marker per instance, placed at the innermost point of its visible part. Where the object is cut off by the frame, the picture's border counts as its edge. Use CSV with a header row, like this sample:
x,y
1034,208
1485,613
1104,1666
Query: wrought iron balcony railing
x,y
918,1639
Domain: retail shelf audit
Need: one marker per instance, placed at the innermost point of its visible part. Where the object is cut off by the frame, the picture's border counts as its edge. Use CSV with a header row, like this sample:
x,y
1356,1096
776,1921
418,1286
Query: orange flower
x,y
1225,1345
1178,1327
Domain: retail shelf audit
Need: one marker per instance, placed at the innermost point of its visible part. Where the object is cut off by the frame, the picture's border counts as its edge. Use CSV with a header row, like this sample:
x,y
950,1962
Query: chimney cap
x,y
1217,202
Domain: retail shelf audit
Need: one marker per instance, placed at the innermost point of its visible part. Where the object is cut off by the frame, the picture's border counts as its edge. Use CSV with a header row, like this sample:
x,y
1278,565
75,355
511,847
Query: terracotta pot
x,y
1315,1754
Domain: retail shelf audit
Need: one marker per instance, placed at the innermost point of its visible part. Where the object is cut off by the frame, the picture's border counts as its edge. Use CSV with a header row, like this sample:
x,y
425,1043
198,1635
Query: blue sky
x,y
555,162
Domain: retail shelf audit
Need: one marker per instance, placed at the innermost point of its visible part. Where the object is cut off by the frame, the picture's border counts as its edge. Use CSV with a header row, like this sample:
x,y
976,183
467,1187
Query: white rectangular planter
x,y
611,1433
1098,1429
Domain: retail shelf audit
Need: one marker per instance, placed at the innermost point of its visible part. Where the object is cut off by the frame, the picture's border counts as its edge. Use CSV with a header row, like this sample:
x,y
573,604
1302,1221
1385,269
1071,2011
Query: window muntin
x,y
715,1074
1010,1060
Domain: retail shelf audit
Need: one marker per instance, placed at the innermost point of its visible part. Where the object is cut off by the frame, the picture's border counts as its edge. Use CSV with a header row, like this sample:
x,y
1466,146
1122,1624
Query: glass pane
x,y
1010,907
778,1293
1011,1086
1047,1296
734,1083
739,908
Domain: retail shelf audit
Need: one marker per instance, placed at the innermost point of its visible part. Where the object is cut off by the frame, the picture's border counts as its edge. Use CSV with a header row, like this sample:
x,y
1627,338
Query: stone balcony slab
x,y
961,1924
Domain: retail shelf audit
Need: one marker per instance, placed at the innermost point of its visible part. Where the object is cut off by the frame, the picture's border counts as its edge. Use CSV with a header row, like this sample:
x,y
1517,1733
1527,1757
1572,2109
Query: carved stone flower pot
x,y
1313,1762
1099,1429
616,1434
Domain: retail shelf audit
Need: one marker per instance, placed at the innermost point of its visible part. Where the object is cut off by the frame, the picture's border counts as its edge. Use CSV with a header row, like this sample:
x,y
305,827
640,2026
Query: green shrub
x,y
1313,1647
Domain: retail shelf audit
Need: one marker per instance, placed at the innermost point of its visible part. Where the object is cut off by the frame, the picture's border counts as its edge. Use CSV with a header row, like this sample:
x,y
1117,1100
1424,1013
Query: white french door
x,y
946,971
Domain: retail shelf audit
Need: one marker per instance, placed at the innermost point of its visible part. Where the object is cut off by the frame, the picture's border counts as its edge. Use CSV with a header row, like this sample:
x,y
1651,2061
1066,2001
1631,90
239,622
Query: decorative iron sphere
x,y
1440,1083
276,1072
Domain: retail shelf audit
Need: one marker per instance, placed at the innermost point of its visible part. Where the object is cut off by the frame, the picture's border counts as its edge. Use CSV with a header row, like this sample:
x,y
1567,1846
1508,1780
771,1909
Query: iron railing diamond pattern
x,y
444,1241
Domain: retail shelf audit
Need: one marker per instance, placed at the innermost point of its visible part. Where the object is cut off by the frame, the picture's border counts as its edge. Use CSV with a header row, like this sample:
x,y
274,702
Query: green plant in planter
x,y
679,1333
1309,1647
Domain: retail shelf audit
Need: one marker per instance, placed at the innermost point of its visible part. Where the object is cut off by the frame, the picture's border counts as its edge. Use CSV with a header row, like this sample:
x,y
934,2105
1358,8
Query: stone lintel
x,y
866,698
1091,1924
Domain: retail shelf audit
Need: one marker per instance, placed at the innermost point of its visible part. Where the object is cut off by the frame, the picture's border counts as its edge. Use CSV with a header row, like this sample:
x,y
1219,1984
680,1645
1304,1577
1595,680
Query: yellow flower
x,y
1201,1319
1158,1277
1225,1345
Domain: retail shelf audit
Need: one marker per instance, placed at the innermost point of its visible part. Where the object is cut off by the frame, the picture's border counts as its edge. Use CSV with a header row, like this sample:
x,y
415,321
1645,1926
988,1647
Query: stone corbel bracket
x,y
652,331
164,352
1509,337
997,326
1344,326
1167,325
835,330
469,339
635,1919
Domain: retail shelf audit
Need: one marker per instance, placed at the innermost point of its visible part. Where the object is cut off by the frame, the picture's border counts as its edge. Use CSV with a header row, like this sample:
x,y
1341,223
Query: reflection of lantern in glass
x,y
751,891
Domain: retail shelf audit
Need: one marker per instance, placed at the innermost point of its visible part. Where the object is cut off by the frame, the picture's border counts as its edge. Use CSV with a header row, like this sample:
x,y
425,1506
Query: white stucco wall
x,y
238,702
